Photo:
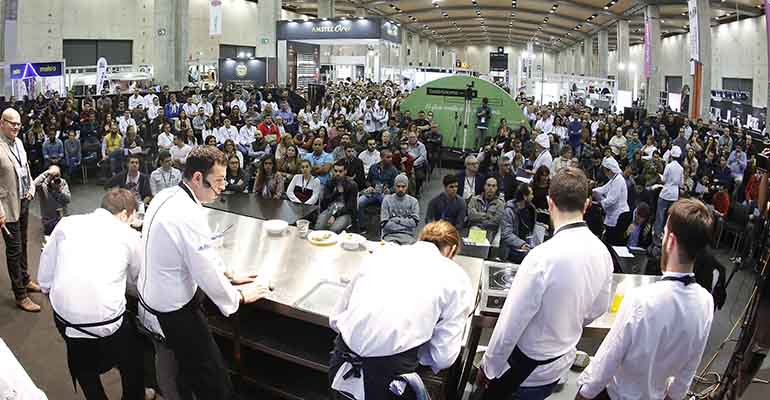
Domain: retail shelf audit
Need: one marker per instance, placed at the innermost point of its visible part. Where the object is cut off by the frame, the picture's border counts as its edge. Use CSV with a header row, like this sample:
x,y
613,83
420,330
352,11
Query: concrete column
x,y
182,41
326,9
623,78
704,49
402,47
360,12
588,56
603,67
577,67
654,83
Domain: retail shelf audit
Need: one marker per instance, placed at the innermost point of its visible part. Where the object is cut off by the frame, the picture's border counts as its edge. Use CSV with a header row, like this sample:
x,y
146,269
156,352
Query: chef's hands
x,y
331,220
240,280
251,292
524,247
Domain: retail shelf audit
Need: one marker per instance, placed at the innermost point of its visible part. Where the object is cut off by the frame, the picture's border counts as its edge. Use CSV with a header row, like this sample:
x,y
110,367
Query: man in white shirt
x,y
545,123
247,134
180,258
179,151
165,138
561,286
370,156
135,100
228,131
661,330
153,110
394,316
613,197
165,176
149,99
673,179
125,121
189,108
544,158
237,102
85,268
618,144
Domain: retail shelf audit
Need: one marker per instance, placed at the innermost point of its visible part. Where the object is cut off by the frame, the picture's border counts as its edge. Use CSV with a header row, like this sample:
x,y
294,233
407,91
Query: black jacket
x,y
507,185
452,211
119,181
355,170
349,196
461,184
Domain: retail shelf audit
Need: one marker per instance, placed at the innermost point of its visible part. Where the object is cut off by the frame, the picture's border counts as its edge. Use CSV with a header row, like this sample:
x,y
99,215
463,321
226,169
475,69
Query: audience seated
x,y
338,203
447,205
400,214
486,210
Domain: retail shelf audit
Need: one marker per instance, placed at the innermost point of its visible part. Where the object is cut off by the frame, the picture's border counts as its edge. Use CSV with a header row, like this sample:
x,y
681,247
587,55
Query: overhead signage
x,y
498,61
338,28
215,18
450,92
730,95
34,70
647,47
243,69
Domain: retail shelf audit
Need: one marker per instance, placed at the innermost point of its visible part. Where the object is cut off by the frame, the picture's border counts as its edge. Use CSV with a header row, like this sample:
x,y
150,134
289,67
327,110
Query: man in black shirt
x,y
354,166
338,202
433,141
447,206
505,179
422,124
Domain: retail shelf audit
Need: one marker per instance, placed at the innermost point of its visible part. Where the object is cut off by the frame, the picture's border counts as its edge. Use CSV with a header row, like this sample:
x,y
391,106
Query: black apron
x,y
187,334
378,371
521,365
96,354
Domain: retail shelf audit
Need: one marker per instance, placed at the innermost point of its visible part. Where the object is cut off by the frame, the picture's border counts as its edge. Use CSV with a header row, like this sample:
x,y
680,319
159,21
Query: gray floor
x,y
37,345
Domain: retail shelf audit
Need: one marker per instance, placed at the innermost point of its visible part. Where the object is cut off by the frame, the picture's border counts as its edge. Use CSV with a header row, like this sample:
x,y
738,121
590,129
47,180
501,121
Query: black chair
x,y
736,223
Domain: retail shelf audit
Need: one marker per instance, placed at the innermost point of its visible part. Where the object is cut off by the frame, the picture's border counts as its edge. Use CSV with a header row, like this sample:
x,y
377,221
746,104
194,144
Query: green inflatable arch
x,y
445,108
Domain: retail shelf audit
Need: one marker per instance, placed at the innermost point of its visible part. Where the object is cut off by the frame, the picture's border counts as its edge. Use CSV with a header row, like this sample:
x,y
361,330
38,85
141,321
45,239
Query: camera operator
x,y
760,338
54,197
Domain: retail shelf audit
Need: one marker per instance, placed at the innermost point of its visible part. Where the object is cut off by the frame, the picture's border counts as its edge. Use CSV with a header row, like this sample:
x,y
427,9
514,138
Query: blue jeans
x,y
534,392
365,200
72,165
660,215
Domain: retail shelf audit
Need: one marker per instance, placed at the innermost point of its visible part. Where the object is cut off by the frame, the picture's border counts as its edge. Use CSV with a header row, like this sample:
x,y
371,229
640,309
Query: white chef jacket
x,y
614,199
561,286
660,332
544,158
84,268
247,135
135,100
369,158
228,133
161,179
15,384
391,307
673,179
179,258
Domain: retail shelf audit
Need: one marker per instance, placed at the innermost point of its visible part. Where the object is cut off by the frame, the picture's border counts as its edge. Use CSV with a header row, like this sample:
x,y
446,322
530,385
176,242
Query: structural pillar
x,y
603,66
326,9
576,62
623,76
182,45
588,56
704,54
654,80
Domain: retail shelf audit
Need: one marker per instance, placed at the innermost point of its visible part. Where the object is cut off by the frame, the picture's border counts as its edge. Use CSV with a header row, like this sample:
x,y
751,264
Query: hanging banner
x,y
215,18
101,74
647,47
692,8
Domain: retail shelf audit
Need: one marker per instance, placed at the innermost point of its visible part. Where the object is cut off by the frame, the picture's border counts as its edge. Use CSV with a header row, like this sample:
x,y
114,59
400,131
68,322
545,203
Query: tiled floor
x,y
38,346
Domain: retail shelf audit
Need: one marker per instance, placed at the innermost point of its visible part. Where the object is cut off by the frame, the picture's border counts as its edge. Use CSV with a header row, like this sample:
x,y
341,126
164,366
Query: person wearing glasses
x,y
16,185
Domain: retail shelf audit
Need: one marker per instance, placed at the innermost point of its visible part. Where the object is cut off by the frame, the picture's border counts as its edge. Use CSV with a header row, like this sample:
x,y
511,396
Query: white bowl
x,y
351,241
276,226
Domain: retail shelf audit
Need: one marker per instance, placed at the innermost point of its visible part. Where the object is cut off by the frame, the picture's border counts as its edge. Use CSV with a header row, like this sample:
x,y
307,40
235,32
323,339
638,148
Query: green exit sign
x,y
264,40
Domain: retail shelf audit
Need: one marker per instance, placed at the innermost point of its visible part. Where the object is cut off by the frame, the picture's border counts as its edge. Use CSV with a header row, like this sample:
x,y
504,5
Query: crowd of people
x,y
568,167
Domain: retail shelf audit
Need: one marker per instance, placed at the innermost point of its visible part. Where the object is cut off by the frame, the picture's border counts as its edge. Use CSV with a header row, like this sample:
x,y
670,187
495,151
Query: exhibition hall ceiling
x,y
555,24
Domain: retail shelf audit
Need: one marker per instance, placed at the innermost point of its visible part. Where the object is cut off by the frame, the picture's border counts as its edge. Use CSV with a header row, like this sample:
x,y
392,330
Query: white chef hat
x,y
611,165
676,152
543,141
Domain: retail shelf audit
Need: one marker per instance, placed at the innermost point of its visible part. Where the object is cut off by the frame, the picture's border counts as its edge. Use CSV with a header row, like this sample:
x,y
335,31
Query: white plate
x,y
322,238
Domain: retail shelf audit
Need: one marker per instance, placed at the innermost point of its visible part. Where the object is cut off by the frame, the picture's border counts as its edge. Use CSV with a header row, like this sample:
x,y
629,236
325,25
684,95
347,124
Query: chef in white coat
x,y
84,269
561,286
395,315
613,197
14,381
180,265
657,340
543,145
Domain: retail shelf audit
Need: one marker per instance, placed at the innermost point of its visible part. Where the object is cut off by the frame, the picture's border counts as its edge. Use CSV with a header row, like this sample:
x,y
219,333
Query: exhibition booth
x,y
300,41
32,79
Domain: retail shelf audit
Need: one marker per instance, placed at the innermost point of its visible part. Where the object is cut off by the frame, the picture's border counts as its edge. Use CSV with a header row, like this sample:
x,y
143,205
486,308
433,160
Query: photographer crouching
x,y
54,197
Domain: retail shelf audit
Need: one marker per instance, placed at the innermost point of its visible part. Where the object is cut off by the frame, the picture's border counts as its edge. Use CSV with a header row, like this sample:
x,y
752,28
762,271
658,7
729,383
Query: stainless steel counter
x,y
294,267
602,325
